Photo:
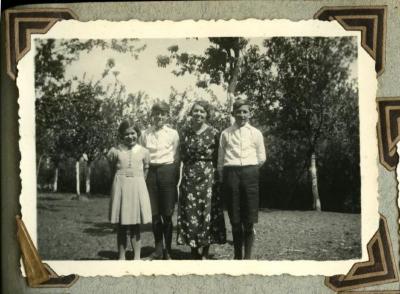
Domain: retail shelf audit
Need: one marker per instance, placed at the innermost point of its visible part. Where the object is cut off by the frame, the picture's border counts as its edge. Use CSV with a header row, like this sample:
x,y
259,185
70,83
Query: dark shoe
x,y
156,256
195,255
167,255
238,244
158,251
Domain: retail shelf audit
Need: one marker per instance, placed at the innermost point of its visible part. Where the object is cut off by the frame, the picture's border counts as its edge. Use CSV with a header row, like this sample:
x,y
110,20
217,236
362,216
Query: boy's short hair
x,y
127,124
239,103
161,107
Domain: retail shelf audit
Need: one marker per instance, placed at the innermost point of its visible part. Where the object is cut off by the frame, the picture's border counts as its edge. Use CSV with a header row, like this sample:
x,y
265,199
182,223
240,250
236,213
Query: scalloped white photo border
x,y
368,115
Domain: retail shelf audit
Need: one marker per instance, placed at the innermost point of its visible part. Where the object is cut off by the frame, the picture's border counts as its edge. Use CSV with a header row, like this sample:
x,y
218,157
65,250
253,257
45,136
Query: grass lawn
x,y
80,230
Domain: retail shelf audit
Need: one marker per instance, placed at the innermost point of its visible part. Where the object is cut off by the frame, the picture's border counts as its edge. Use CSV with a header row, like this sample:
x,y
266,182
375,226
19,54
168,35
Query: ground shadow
x,y
106,228
101,229
146,228
146,251
145,254
48,198
113,255
47,207
107,254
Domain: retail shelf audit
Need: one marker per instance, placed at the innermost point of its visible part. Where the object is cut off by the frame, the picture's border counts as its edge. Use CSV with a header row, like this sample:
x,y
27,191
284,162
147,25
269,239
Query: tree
x,y
220,64
53,55
72,118
300,93
300,90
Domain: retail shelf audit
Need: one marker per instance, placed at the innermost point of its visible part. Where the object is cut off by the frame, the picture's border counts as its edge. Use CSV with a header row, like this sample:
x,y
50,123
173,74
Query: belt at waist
x,y
129,172
194,160
241,166
160,164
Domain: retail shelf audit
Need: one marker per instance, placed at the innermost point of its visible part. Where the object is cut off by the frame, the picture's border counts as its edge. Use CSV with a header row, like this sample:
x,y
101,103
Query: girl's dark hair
x,y
205,105
126,124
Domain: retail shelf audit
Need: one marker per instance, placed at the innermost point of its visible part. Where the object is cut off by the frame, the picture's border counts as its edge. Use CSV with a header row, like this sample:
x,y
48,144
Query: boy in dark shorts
x,y
241,153
162,143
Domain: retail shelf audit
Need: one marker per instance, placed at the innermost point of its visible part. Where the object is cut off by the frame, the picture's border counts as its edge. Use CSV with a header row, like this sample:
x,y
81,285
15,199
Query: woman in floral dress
x,y
200,213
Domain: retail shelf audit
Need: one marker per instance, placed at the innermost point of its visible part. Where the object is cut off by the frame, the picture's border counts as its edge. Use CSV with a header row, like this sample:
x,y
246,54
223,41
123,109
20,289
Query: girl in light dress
x,y
130,203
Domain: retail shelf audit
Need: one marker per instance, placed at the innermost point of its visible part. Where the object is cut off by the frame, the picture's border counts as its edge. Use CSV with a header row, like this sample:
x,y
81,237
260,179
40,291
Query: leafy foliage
x,y
76,116
216,66
305,103
299,88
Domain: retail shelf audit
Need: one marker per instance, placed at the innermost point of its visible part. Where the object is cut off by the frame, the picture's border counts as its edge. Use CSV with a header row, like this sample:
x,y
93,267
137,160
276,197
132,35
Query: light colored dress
x,y
130,203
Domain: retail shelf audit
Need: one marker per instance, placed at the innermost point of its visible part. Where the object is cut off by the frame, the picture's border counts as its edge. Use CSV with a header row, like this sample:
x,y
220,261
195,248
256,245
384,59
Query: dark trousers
x,y
161,183
241,193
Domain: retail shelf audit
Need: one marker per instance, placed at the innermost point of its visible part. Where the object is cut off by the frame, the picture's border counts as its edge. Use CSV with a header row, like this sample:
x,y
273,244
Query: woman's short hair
x,y
239,103
127,124
206,106
160,107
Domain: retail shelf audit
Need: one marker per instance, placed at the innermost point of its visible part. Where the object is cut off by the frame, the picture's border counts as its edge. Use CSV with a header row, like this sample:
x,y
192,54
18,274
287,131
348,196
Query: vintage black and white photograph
x,y
199,148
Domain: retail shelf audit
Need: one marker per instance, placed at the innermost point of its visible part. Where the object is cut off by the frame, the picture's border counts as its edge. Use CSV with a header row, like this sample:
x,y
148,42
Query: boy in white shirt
x,y
162,142
241,153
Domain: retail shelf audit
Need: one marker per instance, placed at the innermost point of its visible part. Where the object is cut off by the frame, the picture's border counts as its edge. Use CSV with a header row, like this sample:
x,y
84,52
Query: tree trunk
x,y
38,168
55,180
88,171
314,183
233,82
78,183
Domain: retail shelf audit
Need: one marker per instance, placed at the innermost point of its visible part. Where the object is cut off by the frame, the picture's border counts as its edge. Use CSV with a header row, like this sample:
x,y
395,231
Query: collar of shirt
x,y
153,129
246,126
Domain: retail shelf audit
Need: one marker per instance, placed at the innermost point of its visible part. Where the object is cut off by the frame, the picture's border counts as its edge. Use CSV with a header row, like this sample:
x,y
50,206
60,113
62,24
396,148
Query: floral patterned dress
x,y
200,211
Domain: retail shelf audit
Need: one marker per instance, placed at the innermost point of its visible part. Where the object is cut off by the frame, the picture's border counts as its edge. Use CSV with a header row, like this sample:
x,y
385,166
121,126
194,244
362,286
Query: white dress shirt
x,y
162,144
240,146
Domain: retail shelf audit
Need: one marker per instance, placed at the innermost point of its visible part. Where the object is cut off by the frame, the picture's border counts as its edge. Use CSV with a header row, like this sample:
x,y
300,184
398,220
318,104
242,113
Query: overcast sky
x,y
143,74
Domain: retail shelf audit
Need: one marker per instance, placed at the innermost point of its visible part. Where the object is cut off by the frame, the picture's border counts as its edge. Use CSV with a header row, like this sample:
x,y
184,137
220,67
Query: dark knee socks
x,y
243,233
162,227
158,235
237,234
205,252
122,235
167,230
121,241
248,240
